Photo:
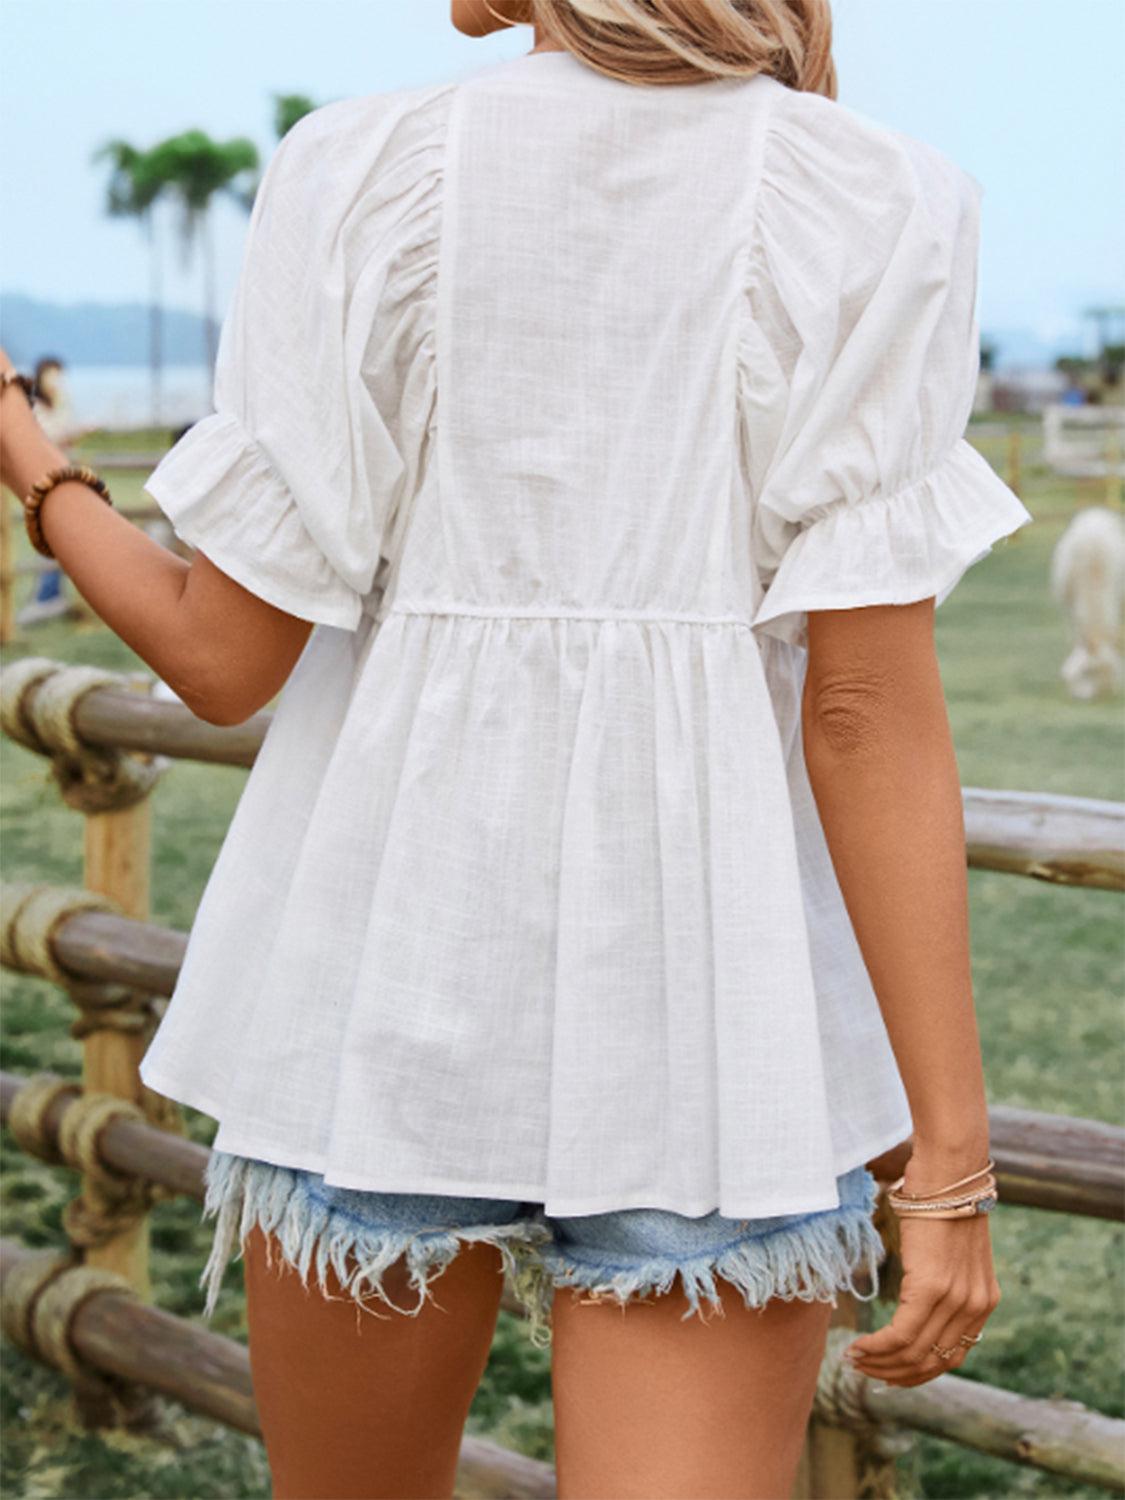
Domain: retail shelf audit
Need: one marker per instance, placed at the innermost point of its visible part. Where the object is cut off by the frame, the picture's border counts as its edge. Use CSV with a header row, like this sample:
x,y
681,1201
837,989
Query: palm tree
x,y
193,169
288,109
132,192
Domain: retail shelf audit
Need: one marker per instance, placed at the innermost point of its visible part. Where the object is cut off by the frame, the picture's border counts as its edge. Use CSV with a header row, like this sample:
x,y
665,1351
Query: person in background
x,y
55,412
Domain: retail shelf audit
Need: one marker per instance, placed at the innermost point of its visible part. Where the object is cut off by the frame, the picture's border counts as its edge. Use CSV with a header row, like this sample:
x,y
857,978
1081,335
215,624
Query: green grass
x,y
1049,970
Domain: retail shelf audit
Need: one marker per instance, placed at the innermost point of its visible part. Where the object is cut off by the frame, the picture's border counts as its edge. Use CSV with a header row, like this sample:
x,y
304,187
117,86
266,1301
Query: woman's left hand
x,y
949,1291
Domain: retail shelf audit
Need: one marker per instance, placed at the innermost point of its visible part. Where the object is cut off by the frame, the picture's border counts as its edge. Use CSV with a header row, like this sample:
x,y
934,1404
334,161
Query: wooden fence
x,y
86,1307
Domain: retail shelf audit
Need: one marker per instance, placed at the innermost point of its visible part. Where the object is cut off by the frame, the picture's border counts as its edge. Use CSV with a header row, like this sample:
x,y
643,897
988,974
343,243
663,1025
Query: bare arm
x,y
224,651
884,774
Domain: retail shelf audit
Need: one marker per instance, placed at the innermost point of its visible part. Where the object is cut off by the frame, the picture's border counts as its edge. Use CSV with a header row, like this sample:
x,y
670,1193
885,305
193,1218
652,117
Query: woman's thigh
x,y
370,1320
358,1407
686,1351
650,1407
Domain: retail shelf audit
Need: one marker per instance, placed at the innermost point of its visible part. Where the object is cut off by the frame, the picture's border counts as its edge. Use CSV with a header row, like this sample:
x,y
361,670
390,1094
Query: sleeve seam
x,y
815,514
758,176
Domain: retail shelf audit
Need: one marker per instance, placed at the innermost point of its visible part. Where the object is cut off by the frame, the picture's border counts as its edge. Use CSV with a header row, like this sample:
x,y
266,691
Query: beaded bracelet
x,y
42,488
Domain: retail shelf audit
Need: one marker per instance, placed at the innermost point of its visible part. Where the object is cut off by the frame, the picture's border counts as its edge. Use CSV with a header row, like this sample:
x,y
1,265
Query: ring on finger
x,y
944,1353
970,1338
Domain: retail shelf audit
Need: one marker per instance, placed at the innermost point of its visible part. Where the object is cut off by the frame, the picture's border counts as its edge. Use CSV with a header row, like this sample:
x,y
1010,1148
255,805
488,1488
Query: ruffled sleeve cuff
x,y
221,494
892,549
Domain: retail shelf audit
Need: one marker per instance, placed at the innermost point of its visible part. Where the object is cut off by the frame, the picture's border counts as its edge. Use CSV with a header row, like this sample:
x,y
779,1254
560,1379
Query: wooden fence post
x,y
117,860
40,700
849,1463
839,1463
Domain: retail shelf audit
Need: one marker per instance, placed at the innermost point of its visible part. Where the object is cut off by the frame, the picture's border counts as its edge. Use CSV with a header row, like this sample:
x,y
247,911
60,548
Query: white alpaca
x,y
1088,582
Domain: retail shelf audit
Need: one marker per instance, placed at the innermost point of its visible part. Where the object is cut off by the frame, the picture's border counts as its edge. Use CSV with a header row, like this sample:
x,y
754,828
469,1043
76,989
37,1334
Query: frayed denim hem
x,y
812,1260
241,1194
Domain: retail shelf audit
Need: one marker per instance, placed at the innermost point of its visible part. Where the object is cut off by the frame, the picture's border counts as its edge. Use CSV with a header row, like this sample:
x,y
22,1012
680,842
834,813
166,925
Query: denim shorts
x,y
625,1254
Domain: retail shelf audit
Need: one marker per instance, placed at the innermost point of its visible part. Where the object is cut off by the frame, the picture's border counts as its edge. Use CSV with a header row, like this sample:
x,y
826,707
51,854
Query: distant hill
x,y
96,333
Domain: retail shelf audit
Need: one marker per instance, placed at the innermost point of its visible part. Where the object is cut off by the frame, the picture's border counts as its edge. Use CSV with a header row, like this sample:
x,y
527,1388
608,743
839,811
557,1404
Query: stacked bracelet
x,y
39,491
943,1203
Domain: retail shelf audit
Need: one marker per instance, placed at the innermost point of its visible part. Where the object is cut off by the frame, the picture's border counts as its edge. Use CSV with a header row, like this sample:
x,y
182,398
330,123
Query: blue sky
x,y
1026,94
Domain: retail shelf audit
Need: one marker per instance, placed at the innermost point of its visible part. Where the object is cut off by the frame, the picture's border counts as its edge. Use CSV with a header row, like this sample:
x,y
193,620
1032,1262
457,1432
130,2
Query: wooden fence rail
x,y
108,1331
1046,836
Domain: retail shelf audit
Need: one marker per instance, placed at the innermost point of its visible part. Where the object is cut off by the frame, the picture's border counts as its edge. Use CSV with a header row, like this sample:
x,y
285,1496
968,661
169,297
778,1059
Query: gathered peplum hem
x,y
542,862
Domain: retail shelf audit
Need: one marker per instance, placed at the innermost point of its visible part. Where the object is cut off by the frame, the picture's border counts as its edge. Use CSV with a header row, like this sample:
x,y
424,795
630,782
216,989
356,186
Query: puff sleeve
x,y
290,485
858,365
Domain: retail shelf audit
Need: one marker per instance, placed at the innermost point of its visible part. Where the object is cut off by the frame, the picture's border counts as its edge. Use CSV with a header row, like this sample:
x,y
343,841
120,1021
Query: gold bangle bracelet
x,y
985,1171
983,1205
42,488
981,1200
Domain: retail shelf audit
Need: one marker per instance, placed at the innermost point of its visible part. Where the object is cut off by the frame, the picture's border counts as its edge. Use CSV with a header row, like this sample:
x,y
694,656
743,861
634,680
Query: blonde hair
x,y
687,41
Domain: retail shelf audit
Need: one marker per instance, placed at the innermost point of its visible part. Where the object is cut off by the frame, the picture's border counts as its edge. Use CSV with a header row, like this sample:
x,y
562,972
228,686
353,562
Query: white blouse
x,y
556,403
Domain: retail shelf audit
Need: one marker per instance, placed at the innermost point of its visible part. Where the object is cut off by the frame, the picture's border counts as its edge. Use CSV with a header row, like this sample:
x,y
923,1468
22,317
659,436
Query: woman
x,y
56,417
596,907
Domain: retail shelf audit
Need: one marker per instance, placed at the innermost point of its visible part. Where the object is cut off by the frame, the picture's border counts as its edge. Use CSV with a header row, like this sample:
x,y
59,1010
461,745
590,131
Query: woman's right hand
x,y
949,1288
